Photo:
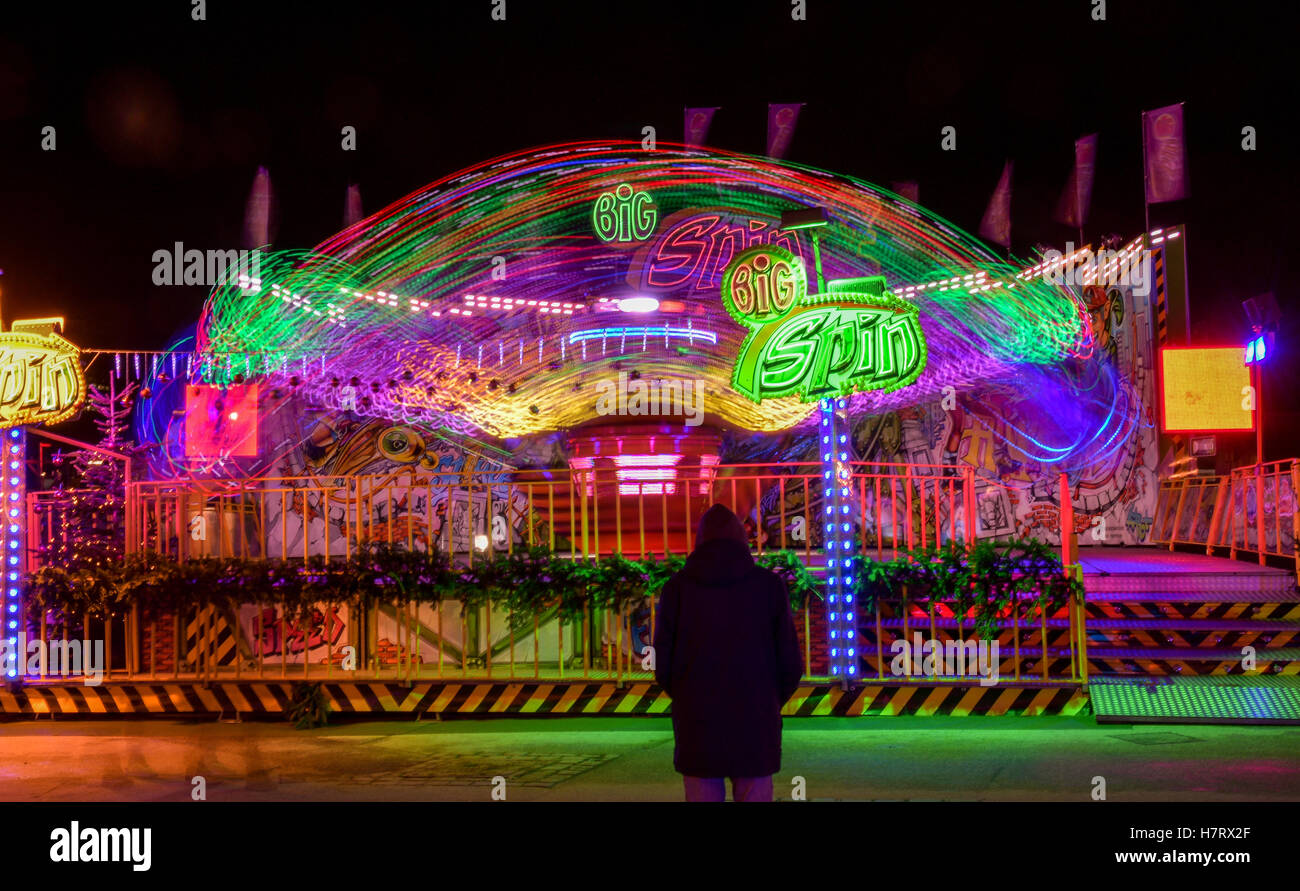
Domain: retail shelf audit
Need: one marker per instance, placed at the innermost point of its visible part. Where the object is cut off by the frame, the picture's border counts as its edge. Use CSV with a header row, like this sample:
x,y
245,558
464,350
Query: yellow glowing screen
x,y
1206,390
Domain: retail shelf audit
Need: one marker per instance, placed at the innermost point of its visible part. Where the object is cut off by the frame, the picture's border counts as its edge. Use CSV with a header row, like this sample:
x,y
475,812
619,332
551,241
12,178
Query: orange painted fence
x,y
1251,511
583,512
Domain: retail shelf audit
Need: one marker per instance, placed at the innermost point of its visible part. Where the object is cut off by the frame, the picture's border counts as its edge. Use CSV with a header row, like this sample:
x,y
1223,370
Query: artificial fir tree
x,y
90,515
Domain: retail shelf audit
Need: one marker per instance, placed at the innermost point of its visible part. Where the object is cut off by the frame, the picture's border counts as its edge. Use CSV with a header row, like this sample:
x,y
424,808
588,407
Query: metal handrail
x,y
581,513
1182,502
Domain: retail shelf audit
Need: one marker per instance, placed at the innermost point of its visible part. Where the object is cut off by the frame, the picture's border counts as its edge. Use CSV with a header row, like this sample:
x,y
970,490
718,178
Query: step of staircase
x,y
1227,624
1191,654
1172,592
1219,699
1156,573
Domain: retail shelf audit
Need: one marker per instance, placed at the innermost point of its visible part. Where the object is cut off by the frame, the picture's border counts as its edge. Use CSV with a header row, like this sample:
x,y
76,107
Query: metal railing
x,y
1252,511
585,512
208,643
1027,632
582,513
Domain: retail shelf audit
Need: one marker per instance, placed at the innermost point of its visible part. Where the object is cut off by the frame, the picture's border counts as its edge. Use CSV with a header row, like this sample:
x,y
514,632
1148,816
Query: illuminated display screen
x,y
1205,390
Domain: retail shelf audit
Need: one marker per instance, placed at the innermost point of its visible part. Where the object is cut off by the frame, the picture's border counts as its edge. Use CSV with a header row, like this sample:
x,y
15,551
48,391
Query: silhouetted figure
x,y
727,654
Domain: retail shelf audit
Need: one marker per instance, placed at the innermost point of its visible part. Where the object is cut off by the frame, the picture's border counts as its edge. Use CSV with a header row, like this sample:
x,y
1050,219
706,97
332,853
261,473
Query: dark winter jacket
x,y
727,654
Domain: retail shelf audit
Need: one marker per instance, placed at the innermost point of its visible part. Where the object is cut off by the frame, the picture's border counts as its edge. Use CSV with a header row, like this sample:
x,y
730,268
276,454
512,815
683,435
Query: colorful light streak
x,y
508,303
643,333
410,295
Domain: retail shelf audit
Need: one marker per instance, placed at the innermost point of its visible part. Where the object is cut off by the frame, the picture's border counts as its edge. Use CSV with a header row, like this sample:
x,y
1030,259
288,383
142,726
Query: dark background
x,y
162,121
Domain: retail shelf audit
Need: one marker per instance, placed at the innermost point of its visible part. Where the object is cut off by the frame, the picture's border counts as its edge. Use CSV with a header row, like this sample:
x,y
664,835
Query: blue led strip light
x,y
839,538
13,490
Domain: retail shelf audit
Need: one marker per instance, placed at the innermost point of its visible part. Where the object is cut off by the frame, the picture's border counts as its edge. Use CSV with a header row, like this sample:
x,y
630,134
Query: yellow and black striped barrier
x,y
578,698
959,700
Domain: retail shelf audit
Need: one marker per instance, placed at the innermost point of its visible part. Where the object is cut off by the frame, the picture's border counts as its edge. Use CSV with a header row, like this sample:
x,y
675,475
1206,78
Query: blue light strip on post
x,y
13,490
839,539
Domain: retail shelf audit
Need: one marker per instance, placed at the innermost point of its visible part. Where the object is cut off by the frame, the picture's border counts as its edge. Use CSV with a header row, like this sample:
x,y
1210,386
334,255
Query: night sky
x,y
162,121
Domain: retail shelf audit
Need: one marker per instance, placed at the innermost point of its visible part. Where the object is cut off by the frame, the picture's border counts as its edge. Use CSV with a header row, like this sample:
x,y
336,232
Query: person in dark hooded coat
x,y
727,654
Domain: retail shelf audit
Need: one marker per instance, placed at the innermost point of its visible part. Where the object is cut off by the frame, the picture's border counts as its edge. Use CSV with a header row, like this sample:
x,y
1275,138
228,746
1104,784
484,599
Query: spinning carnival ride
x,y
493,302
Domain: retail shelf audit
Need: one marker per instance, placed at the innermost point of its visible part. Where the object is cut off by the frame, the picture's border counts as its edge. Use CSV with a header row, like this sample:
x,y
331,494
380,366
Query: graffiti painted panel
x,y
407,486
274,637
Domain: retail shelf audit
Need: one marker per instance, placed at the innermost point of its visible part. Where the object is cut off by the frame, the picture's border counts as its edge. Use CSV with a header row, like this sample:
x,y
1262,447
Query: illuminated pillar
x,y
13,490
839,540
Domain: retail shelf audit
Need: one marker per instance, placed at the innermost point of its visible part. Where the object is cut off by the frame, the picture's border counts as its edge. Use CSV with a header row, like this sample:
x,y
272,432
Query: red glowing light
x,y
221,423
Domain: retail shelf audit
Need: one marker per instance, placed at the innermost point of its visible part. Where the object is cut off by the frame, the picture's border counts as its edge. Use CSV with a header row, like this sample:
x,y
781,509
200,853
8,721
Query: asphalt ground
x,y
630,759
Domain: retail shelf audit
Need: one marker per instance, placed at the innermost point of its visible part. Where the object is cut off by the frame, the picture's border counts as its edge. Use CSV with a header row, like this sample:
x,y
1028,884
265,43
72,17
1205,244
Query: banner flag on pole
x,y
1165,154
909,190
781,119
257,211
696,127
1072,209
352,206
996,225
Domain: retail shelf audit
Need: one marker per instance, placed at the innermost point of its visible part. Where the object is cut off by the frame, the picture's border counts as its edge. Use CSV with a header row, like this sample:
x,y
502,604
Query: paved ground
x,y
602,759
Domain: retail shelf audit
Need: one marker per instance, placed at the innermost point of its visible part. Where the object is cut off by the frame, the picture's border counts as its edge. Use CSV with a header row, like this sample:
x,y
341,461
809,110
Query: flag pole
x,y
1078,196
1146,208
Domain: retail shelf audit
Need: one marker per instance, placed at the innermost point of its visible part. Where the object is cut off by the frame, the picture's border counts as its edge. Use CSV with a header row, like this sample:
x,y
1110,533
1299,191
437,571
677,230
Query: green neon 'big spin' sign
x,y
763,284
624,215
854,337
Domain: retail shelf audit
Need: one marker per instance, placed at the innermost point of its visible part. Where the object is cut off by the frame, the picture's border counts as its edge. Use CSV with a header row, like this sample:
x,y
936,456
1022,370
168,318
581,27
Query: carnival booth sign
x,y
854,337
41,381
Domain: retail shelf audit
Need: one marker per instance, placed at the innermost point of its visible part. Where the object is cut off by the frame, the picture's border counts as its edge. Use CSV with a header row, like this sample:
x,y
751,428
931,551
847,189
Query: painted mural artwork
x,y
1270,511
273,637
413,488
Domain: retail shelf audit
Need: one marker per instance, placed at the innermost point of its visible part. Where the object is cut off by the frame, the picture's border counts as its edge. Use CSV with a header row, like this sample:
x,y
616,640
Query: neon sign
x,y
696,247
854,337
624,215
763,284
41,380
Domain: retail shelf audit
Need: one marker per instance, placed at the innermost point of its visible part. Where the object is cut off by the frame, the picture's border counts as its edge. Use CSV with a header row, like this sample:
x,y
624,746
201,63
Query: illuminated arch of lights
x,y
493,300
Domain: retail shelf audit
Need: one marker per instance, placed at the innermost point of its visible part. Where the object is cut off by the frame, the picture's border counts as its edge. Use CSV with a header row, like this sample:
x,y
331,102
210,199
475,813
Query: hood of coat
x,y
721,555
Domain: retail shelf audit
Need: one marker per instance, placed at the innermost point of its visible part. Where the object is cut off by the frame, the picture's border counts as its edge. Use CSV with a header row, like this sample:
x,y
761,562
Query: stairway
x,y
1168,634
